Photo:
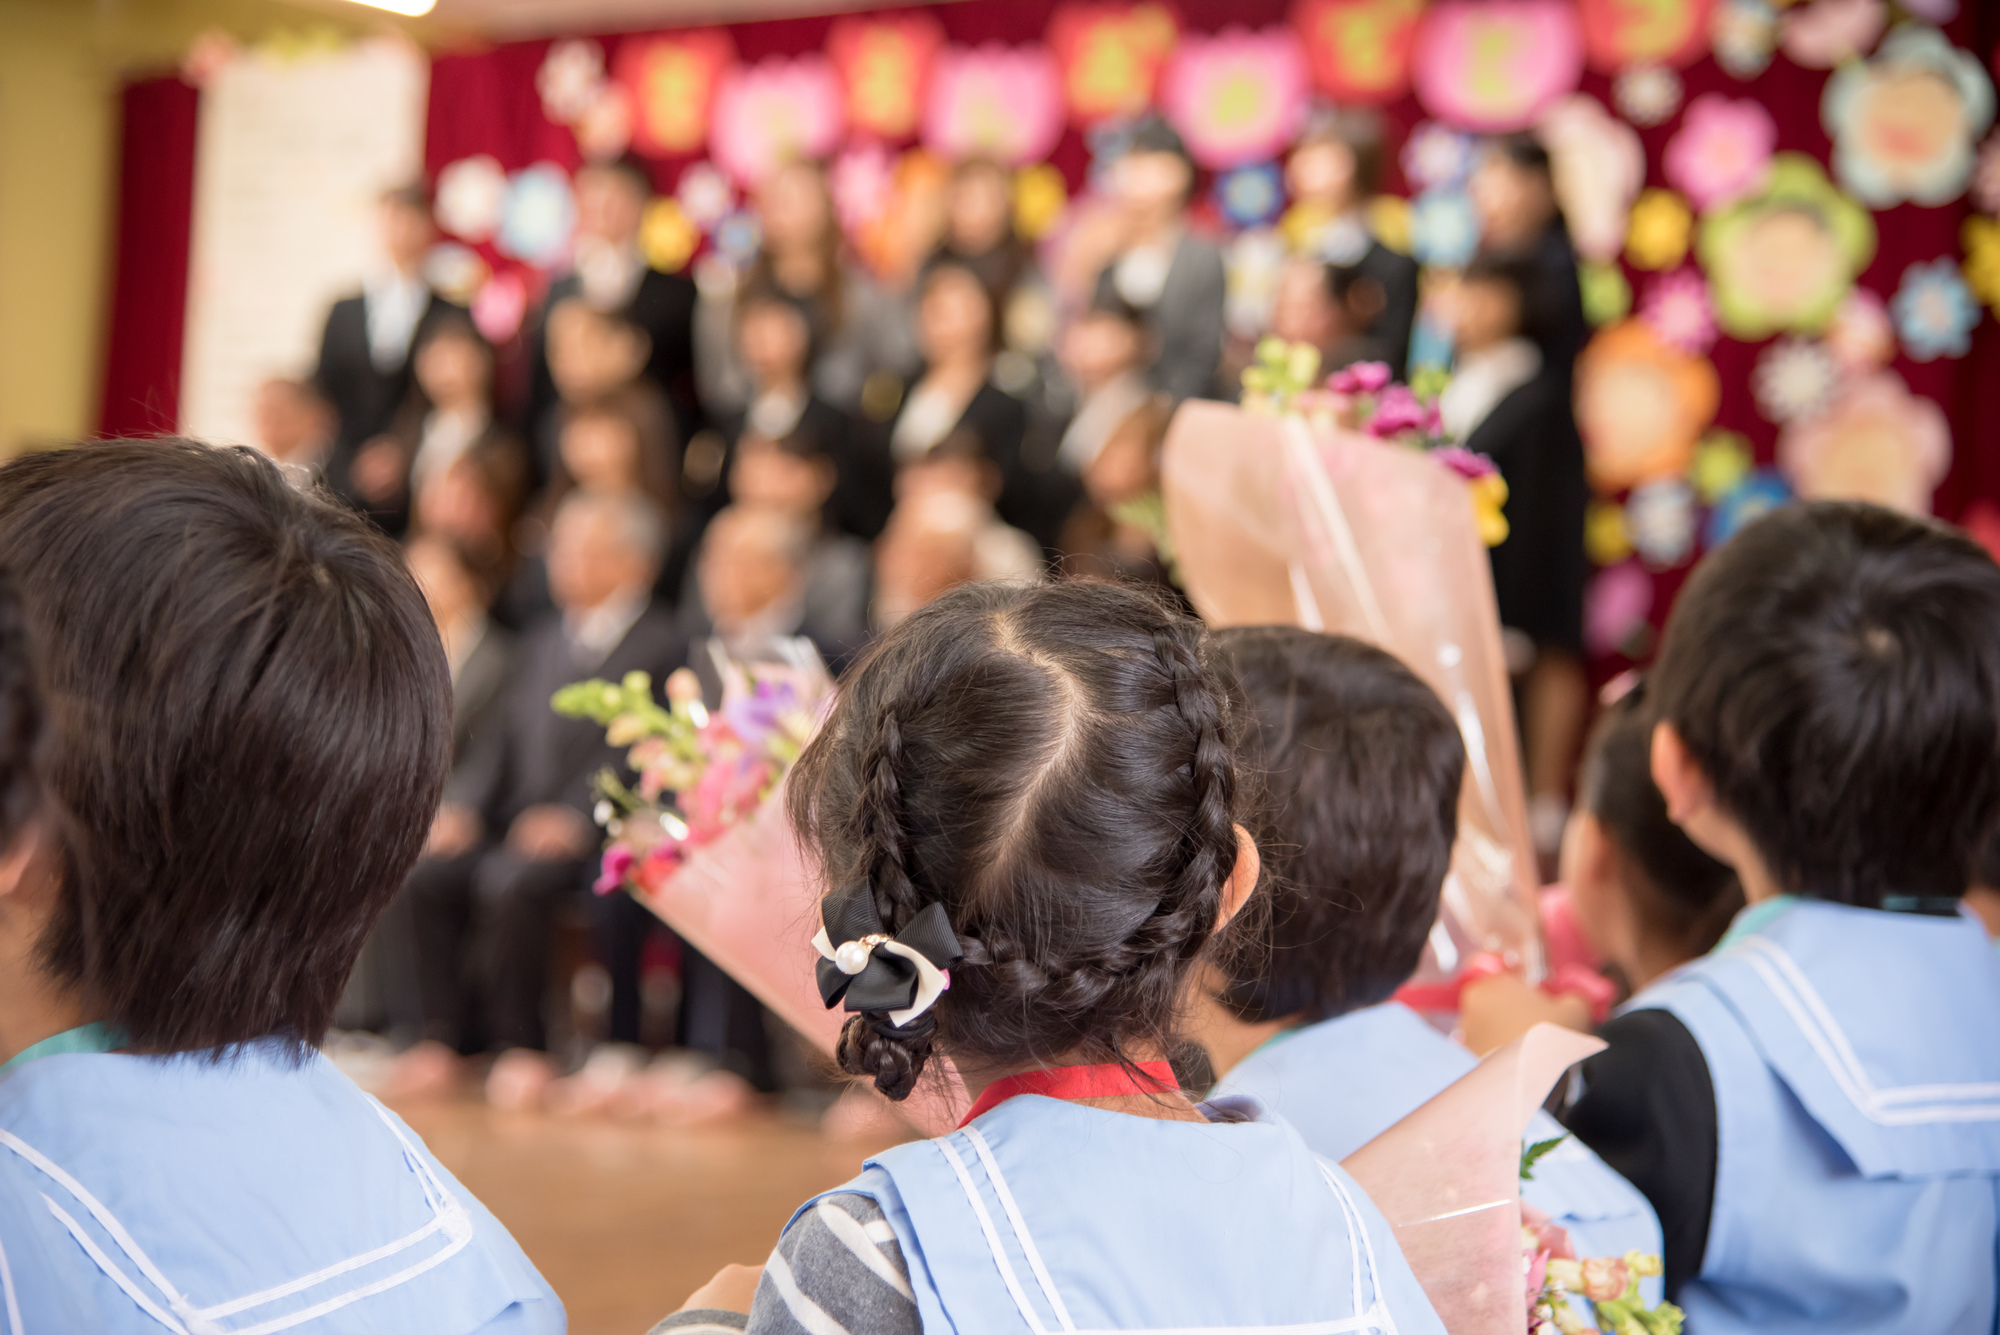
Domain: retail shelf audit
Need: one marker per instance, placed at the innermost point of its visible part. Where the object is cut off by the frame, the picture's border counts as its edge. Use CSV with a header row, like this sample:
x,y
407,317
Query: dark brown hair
x,y
20,719
1052,765
1834,670
252,721
1359,766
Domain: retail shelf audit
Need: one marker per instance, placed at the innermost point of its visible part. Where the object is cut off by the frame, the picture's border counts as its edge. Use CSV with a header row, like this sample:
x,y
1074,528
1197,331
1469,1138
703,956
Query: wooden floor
x,y
625,1221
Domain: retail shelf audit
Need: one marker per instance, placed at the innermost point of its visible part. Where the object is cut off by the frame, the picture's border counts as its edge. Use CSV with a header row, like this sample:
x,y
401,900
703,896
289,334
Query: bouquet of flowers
x,y
700,774
1561,1286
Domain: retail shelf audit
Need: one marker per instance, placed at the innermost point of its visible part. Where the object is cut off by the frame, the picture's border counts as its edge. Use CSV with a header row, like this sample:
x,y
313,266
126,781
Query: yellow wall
x,y
61,66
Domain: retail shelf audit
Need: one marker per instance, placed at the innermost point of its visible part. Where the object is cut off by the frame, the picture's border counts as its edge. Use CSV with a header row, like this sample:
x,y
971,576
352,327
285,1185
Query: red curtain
x,y
142,359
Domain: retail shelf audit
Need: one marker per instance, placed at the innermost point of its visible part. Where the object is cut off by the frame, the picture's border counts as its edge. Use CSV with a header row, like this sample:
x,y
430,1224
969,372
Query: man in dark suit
x,y
610,273
364,359
515,836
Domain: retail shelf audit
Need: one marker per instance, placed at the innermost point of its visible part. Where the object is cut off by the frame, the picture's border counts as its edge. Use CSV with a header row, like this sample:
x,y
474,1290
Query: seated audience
x,y
477,503
292,424
1111,447
1812,1107
595,356
1363,765
231,797
755,584
930,547
452,413
514,838
1505,401
959,468
979,233
791,476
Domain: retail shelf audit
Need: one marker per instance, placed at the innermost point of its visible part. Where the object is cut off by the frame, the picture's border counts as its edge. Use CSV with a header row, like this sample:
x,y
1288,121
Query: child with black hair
x,y
1032,789
1814,1107
1361,767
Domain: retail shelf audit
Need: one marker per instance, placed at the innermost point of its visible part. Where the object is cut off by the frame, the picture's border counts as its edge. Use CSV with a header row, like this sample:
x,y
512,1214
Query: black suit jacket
x,y
527,754
365,400
1539,571
1397,276
663,306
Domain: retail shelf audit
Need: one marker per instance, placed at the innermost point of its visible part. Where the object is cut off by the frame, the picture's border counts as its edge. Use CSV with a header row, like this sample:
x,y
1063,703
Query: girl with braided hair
x,y
1025,809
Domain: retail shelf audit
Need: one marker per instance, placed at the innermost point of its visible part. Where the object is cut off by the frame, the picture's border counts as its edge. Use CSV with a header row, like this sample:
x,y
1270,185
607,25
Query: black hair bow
x,y
870,970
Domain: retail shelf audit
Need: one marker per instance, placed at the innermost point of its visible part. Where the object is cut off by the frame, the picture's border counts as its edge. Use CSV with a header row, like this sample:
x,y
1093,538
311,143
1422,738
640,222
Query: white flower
x,y
1794,378
1647,94
705,195
471,197
1660,517
569,79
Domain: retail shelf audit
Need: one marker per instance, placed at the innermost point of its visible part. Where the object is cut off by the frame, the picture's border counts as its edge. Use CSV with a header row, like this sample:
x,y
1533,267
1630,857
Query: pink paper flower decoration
x,y
1824,33
1497,65
994,101
1722,150
1878,443
1615,607
1678,309
1986,176
1599,166
861,181
1861,337
1236,97
775,112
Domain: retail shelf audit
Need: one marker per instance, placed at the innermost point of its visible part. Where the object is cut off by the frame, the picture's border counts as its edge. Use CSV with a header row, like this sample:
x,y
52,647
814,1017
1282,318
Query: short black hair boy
x,y
1834,672
251,719
1359,765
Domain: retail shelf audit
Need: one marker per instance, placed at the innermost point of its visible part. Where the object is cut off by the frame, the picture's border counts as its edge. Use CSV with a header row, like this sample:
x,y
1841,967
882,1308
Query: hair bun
x,y
892,1057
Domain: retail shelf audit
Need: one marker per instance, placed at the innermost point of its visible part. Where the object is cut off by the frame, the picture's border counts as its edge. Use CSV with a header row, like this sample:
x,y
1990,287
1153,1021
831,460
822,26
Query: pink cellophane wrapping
x,y
750,903
1448,1178
1275,523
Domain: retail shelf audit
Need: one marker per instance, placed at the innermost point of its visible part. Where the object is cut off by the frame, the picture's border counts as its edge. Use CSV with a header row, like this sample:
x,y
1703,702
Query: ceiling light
x,y
408,8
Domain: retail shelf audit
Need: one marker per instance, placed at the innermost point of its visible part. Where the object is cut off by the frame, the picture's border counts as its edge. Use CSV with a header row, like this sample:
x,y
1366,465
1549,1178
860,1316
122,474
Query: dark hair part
x,y
1835,672
1052,765
20,719
1359,765
252,723
1680,895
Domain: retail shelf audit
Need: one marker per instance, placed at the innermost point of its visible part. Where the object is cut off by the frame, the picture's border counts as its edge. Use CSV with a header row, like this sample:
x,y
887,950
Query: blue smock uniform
x,y
241,1197
1855,1061
1046,1216
1343,1082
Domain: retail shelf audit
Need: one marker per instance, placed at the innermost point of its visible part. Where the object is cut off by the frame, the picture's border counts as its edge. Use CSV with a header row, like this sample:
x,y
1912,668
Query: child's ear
x,y
1679,776
1242,882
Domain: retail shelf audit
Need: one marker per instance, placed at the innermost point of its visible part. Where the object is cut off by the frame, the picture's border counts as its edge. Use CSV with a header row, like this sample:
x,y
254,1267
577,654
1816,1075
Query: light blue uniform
x,y
1045,1216
1855,1057
1343,1082
145,1195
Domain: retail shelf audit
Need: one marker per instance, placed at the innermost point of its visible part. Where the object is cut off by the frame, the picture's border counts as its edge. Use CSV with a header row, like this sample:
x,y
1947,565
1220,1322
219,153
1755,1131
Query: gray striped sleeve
x,y
838,1271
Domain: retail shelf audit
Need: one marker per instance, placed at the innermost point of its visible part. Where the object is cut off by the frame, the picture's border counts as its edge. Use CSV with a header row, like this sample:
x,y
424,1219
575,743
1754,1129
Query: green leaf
x,y
1533,1154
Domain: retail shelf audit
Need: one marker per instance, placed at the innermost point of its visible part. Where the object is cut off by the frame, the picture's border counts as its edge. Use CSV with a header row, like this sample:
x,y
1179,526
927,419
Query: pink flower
x,y
1722,150
774,112
1605,1278
1822,34
1678,308
1465,463
1496,65
994,101
1236,97
1399,410
1360,378
611,874
1538,1274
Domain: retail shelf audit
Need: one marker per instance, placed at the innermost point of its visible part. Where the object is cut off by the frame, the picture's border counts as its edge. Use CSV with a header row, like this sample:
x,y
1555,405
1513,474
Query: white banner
x,y
291,155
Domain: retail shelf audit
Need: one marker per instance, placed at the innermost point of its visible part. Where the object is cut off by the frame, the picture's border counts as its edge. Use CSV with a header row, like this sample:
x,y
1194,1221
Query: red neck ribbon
x,y
1106,1081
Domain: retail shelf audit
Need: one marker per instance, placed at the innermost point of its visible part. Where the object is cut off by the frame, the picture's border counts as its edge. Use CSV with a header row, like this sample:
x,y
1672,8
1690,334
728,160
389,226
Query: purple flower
x,y
756,716
616,866
1360,378
1399,410
1465,463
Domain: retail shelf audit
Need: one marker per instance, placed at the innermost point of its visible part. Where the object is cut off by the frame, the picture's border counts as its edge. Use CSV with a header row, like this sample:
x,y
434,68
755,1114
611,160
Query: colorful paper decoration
x,y
705,195
1111,56
1986,177
1660,516
1721,463
1677,309
1794,378
1496,66
1436,154
1606,539
499,306
1982,259
1615,607
455,271
1784,257
1359,50
1861,337
673,79
1904,123
1760,493
1744,34
1641,405
1659,231
471,196
1877,443
738,236
604,130
774,112
994,101
1236,97
1598,165
895,241
569,79
1824,33
1617,33
1607,297
860,182
1722,151
540,213
1040,196
667,237
1444,227
1388,218
1647,94
1249,195
1934,311
883,64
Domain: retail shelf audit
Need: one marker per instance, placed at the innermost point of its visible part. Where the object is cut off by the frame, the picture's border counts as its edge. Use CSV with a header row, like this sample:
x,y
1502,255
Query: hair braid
x,y
870,1044
1187,914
